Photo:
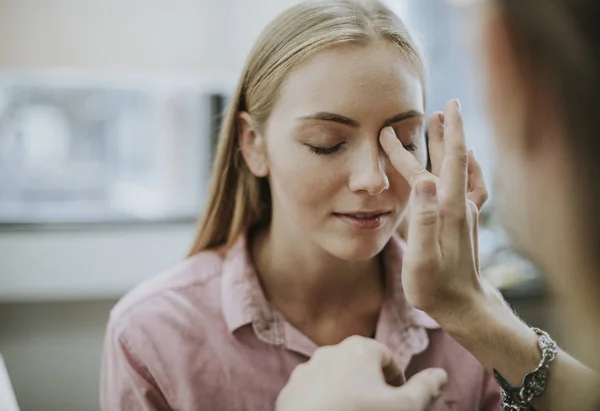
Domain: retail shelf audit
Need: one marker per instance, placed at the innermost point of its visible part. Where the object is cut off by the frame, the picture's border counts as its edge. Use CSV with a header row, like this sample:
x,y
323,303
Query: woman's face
x,y
331,183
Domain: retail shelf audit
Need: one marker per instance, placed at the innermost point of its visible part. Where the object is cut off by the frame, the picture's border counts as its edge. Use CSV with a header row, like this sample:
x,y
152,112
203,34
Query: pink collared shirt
x,y
202,337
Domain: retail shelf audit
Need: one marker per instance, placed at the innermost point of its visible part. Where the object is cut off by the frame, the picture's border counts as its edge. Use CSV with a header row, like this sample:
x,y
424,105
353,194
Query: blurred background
x,y
108,115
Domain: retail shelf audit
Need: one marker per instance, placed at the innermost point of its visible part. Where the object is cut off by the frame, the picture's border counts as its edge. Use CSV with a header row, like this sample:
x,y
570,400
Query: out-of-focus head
x,y
542,63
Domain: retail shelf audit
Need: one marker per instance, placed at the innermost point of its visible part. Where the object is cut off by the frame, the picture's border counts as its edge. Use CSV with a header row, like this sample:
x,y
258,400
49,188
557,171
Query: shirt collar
x,y
242,297
236,290
401,327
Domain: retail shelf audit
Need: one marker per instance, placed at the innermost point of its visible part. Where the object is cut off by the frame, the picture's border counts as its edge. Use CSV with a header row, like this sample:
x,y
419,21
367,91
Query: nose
x,y
368,174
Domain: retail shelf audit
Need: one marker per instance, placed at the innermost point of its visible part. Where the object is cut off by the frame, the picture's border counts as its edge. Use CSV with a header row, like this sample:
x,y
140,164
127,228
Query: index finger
x,y
402,160
453,175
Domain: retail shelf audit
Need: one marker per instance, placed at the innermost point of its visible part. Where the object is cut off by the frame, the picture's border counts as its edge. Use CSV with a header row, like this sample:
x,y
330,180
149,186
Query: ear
x,y
252,145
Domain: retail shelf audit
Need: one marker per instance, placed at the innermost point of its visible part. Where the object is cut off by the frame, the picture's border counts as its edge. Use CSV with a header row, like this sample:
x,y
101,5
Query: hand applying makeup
x,y
441,264
440,272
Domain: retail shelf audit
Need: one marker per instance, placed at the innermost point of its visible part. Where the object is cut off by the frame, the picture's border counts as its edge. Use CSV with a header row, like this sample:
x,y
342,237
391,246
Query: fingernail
x,y
389,131
426,188
458,105
441,117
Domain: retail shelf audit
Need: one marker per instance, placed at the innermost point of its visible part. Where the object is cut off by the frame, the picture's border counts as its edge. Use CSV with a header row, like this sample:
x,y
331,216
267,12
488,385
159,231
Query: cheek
x,y
303,183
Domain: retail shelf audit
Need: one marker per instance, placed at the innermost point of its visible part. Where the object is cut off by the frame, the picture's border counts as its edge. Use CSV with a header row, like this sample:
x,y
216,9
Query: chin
x,y
356,248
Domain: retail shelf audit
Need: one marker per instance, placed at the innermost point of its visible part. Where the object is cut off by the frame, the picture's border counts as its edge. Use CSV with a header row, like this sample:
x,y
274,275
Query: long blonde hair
x,y
237,199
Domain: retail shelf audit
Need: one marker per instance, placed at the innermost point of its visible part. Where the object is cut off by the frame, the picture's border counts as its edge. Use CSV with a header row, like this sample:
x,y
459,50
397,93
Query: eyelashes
x,y
327,151
410,147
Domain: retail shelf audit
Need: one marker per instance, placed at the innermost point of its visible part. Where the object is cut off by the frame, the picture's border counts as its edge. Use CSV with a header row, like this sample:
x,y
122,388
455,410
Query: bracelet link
x,y
534,383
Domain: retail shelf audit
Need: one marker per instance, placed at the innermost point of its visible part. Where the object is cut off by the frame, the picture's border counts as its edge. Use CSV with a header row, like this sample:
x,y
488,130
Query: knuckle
x,y
427,217
420,175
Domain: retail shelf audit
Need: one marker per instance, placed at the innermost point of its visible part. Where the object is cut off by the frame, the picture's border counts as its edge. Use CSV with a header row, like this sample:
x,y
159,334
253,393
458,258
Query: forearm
x,y
489,329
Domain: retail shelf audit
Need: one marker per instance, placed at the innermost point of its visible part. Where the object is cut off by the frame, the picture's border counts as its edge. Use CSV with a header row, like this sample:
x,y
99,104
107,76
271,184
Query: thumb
x,y
422,389
423,219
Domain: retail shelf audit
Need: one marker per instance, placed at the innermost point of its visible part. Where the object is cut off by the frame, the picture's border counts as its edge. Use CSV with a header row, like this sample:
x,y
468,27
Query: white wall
x,y
180,35
113,34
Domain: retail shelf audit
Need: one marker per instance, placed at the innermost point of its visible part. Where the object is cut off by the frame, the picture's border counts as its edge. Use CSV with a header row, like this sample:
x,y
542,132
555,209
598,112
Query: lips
x,y
364,220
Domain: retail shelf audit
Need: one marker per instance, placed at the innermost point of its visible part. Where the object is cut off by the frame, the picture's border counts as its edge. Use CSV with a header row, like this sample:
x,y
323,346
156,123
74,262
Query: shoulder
x,y
192,286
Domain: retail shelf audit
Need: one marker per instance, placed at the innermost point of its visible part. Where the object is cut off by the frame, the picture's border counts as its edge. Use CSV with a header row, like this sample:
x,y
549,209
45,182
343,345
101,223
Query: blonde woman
x,y
297,247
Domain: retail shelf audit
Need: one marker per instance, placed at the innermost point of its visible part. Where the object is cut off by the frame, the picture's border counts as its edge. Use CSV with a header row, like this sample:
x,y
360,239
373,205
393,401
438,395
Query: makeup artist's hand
x,y
359,374
440,272
476,187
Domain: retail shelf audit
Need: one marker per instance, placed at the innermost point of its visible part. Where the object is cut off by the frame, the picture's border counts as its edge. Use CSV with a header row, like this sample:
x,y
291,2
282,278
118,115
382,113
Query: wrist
x,y
485,325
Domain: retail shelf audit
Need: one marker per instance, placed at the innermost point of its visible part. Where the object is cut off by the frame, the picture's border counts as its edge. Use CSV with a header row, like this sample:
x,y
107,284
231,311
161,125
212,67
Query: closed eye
x,y
325,151
410,147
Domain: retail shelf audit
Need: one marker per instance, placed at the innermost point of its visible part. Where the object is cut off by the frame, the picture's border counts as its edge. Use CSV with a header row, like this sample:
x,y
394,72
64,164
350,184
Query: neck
x,y
302,280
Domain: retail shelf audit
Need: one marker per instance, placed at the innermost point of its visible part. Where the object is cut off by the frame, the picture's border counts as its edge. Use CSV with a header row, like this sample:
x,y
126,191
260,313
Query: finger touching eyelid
x,y
410,141
410,147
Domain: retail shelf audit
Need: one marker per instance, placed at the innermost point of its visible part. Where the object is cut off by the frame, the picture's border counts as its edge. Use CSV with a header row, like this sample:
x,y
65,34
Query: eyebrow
x,y
337,118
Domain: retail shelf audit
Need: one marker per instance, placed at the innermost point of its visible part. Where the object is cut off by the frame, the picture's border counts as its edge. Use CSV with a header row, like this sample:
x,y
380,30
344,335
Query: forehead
x,y
357,80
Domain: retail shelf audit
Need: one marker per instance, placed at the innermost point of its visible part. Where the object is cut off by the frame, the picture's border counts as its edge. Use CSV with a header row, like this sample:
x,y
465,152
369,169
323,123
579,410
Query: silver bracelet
x,y
534,383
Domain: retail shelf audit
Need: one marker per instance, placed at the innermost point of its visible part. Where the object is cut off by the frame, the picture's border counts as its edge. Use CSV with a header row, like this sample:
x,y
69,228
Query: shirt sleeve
x,y
125,383
491,394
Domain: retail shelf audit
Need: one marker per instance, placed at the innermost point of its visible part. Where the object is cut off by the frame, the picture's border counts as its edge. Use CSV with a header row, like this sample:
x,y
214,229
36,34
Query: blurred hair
x,y
559,41
237,199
